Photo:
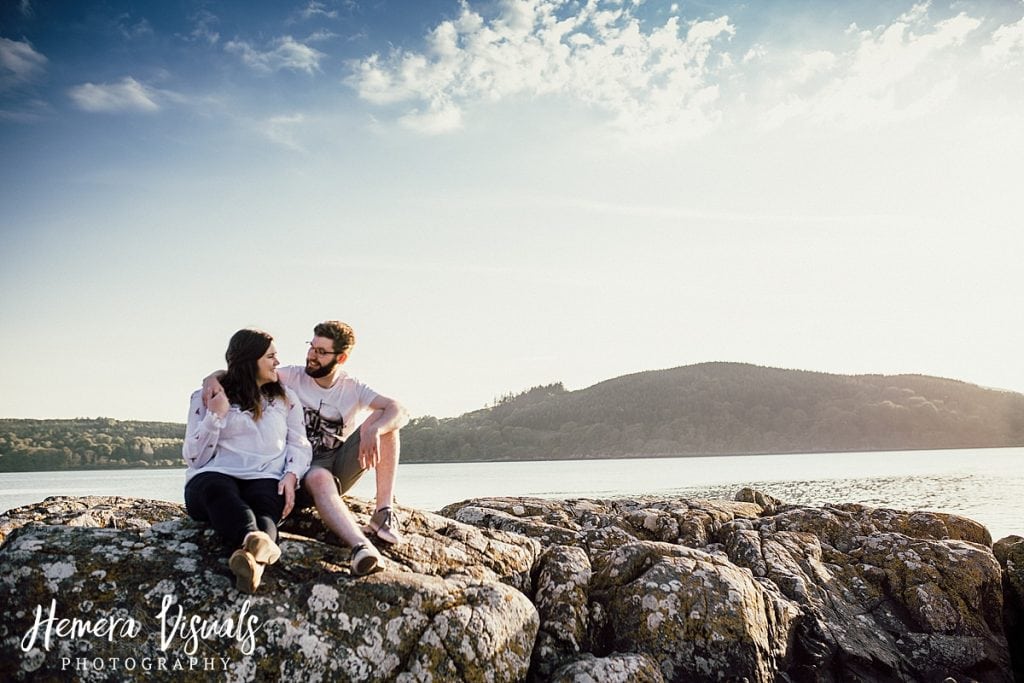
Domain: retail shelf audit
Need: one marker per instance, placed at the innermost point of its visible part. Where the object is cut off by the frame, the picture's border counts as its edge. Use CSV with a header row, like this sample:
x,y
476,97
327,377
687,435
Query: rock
x,y
442,547
310,620
514,589
1005,546
1009,552
90,511
889,605
616,668
695,613
749,495
760,590
562,599
603,525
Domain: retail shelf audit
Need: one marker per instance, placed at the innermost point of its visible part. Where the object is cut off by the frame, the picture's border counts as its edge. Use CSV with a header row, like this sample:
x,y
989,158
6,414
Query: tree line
x,y
85,443
704,409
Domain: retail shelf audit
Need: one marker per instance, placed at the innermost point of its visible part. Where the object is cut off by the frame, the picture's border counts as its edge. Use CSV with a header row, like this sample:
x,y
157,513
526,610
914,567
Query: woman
x,y
246,452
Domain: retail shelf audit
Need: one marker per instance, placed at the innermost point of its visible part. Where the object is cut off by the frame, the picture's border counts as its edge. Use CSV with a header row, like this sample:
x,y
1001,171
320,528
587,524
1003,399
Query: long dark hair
x,y
239,382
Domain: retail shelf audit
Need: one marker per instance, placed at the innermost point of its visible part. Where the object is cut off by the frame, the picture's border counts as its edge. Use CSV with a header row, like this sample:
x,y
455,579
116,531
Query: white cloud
x,y
440,117
321,35
29,111
134,30
317,9
1007,44
893,72
651,81
19,63
287,53
204,32
675,80
281,130
125,95
898,52
755,53
813,64
915,13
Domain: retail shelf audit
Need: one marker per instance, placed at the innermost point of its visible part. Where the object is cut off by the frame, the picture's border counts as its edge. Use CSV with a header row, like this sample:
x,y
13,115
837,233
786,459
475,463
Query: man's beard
x,y
323,371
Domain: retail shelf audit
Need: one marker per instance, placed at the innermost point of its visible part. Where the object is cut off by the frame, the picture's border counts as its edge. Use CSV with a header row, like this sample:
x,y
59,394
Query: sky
x,y
498,195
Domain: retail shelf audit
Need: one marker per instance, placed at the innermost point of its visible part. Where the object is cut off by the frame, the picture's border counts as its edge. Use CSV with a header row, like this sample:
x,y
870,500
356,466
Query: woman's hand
x,y
286,487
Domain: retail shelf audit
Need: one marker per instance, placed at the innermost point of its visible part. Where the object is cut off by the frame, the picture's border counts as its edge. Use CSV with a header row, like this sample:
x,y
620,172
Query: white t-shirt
x,y
331,414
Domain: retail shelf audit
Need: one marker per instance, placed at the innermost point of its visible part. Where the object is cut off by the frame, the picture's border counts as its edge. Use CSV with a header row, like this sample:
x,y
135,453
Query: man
x,y
343,448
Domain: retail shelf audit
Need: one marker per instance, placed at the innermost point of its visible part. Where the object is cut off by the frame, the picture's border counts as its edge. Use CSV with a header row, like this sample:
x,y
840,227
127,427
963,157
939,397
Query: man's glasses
x,y
320,353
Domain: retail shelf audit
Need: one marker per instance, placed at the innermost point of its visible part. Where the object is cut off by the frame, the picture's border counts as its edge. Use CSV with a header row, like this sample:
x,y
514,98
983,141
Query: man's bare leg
x,y
335,514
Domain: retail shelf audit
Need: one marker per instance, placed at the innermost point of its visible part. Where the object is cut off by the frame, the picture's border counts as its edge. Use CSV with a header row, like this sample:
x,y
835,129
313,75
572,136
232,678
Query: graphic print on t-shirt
x,y
323,434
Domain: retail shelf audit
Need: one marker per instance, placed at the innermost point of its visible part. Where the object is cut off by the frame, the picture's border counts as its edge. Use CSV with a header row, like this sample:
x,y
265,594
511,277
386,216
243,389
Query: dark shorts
x,y
343,462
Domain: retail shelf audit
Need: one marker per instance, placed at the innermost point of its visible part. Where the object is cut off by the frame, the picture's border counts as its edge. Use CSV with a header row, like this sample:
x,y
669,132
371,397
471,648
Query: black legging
x,y
234,507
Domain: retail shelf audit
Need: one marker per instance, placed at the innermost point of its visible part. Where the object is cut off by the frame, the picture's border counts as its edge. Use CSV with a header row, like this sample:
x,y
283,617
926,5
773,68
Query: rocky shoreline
x,y
518,589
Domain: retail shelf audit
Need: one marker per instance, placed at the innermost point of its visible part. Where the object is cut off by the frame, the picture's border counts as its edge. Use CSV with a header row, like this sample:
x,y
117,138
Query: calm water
x,y
986,485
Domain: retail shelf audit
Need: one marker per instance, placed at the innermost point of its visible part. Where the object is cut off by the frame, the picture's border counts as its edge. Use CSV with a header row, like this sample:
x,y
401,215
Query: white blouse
x,y
239,446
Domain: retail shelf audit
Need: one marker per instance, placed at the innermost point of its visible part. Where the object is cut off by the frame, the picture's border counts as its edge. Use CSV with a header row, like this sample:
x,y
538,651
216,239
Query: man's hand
x,y
211,386
286,487
218,402
369,446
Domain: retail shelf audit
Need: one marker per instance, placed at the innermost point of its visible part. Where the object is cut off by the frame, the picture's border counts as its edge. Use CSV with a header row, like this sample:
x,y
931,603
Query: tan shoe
x,y
247,571
365,559
263,550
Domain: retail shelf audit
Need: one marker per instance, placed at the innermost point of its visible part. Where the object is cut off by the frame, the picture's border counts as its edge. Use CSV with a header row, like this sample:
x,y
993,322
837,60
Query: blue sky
x,y
504,194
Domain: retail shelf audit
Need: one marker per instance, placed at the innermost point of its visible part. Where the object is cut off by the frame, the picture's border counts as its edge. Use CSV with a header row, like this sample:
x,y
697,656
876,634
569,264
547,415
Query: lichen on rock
x,y
519,589
760,590
446,607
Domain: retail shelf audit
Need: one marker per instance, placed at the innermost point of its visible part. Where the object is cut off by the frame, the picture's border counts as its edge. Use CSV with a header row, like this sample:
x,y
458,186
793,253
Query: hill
x,y
726,408
704,409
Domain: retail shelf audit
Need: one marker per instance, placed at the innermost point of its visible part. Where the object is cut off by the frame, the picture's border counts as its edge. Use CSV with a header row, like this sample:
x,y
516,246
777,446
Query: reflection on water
x,y
918,492
984,499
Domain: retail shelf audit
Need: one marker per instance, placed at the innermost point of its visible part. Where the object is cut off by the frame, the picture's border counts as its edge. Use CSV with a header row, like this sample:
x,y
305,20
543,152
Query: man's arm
x,y
211,385
388,416
203,430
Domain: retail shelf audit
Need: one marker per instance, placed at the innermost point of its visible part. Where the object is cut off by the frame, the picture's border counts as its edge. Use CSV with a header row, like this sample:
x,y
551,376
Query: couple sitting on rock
x,y
256,432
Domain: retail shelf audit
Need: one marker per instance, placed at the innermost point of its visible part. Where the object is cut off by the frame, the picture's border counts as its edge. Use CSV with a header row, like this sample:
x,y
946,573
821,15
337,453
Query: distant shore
x,y
412,460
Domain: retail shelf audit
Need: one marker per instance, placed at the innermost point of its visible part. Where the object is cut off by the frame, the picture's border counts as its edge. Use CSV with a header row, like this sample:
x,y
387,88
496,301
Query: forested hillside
x,y
720,408
710,408
85,443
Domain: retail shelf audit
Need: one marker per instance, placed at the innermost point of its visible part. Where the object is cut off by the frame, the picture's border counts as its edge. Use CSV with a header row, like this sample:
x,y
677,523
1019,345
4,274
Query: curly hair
x,y
342,334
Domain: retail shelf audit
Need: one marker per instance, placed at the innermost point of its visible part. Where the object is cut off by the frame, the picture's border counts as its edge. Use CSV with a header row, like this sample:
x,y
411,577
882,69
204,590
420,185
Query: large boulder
x,y
1009,552
562,599
695,613
158,601
760,590
878,604
615,668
